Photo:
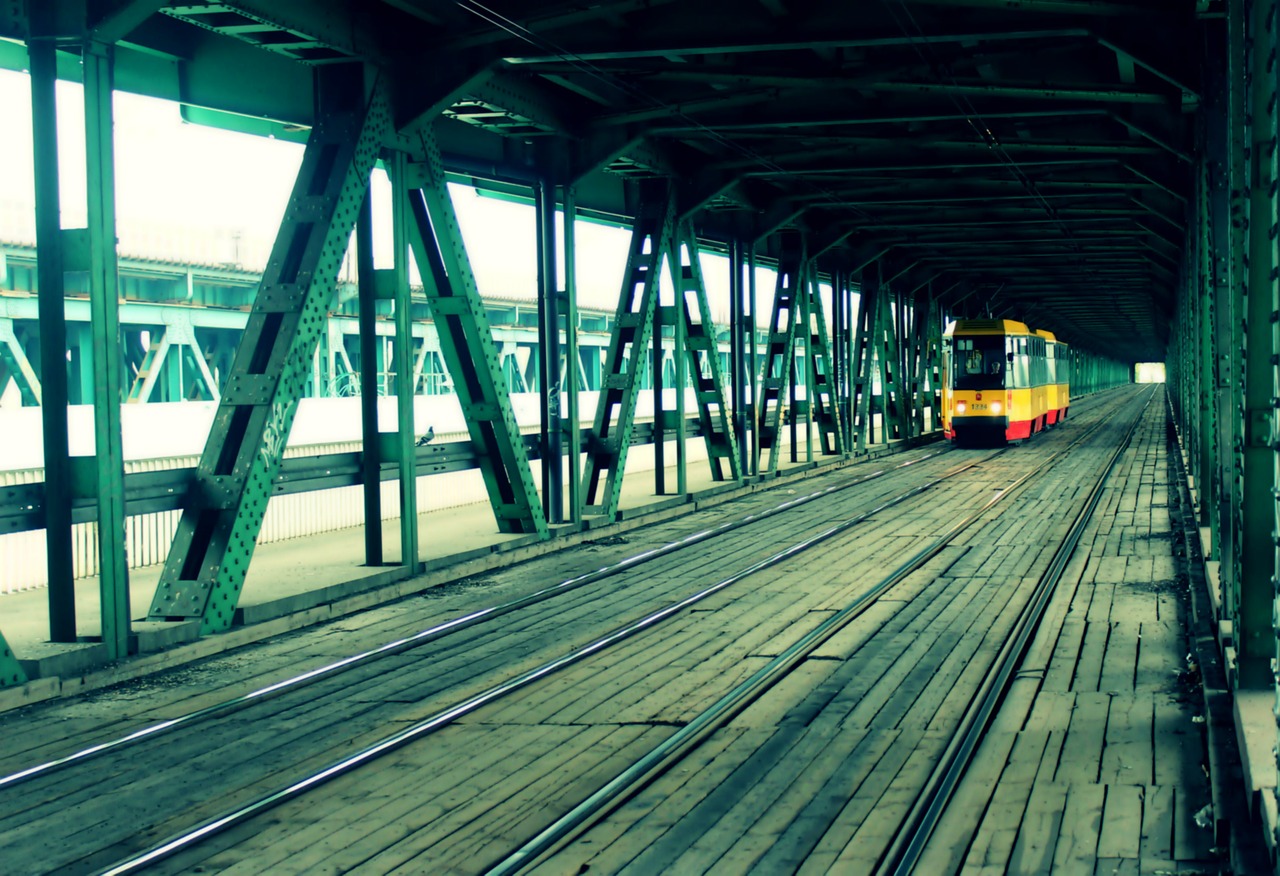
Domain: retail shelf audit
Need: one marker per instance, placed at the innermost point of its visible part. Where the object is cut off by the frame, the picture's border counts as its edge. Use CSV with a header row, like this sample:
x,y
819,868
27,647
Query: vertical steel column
x,y
104,297
571,424
837,348
853,337
753,360
550,427
737,350
1256,638
1206,267
53,340
402,359
657,374
371,452
1233,255
679,318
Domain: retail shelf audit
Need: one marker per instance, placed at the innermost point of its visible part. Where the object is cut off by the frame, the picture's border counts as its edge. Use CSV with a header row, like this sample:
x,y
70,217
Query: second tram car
x,y
1002,382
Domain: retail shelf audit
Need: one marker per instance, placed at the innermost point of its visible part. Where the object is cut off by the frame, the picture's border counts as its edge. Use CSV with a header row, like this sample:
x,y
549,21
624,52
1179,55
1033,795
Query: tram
x,y
1002,381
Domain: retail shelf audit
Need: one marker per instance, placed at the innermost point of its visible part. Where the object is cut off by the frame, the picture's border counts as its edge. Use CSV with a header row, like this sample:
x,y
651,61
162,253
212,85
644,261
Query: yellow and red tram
x,y
1002,381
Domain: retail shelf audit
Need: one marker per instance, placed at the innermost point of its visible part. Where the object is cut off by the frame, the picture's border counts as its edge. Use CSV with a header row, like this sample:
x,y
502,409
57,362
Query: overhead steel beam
x,y
1023,91
816,42
950,114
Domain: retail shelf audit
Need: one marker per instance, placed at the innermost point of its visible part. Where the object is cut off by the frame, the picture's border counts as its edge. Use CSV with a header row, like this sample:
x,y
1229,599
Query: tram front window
x,y
979,362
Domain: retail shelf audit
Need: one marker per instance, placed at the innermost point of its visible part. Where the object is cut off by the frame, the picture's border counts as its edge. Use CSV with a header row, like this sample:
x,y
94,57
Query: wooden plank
x,y
1093,653
1128,758
1121,836
1157,830
1121,661
1077,847
1041,826
642,821
1082,749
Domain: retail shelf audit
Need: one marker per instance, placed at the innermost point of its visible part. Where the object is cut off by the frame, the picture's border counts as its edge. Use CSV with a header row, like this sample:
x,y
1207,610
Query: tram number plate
x,y
979,407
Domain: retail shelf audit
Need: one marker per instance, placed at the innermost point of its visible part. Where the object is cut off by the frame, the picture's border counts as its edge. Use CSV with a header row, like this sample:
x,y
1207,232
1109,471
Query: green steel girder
x,y
1259,524
610,440
104,303
466,343
14,365
701,346
11,671
820,387
790,291
866,328
206,567
627,48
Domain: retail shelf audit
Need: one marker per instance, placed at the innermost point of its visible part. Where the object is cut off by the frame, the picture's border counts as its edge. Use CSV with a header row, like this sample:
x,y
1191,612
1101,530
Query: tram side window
x,y
1020,364
979,363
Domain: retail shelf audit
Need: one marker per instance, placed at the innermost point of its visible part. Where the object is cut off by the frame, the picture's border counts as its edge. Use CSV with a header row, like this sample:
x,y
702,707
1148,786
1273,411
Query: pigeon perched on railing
x,y
426,439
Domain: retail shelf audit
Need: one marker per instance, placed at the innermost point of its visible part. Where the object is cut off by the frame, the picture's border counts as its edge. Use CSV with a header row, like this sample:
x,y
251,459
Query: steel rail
x,y
909,843
442,630
674,747
431,724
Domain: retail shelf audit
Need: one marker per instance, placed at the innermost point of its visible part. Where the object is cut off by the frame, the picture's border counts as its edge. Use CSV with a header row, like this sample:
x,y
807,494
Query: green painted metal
x,y
11,671
1231,248
403,232
1256,633
889,349
550,427
779,355
700,344
206,567
14,365
820,389
573,383
867,325
467,346
104,301
53,337
628,344
370,456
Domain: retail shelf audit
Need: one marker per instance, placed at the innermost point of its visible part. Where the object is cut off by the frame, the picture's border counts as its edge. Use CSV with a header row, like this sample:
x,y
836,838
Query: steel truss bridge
x,y
1103,169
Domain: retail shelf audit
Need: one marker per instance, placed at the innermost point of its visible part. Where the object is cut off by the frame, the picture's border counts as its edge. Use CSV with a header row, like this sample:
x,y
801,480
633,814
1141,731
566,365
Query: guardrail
x,y
313,494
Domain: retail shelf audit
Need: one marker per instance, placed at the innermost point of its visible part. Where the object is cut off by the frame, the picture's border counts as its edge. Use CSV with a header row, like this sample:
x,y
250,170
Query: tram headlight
x,y
996,407
961,407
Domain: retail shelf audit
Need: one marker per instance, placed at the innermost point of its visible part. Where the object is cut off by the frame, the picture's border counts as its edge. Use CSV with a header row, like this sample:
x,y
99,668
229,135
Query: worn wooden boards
x,y
815,775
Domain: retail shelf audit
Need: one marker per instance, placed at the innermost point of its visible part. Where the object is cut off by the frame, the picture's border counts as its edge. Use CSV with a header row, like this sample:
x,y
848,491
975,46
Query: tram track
x,y
405,643
455,625
908,843
243,814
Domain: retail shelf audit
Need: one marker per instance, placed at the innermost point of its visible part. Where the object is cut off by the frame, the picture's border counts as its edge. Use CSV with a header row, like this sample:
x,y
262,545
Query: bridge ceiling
x,y
1033,158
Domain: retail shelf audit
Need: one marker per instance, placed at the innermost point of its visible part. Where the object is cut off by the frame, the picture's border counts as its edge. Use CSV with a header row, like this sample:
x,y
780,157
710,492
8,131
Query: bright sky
x,y
188,192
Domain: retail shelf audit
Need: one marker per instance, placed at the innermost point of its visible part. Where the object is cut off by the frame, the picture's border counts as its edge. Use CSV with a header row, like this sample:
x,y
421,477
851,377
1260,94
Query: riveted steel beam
x,y
701,347
206,567
466,342
1256,636
11,671
53,337
789,295
815,42
104,302
610,440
